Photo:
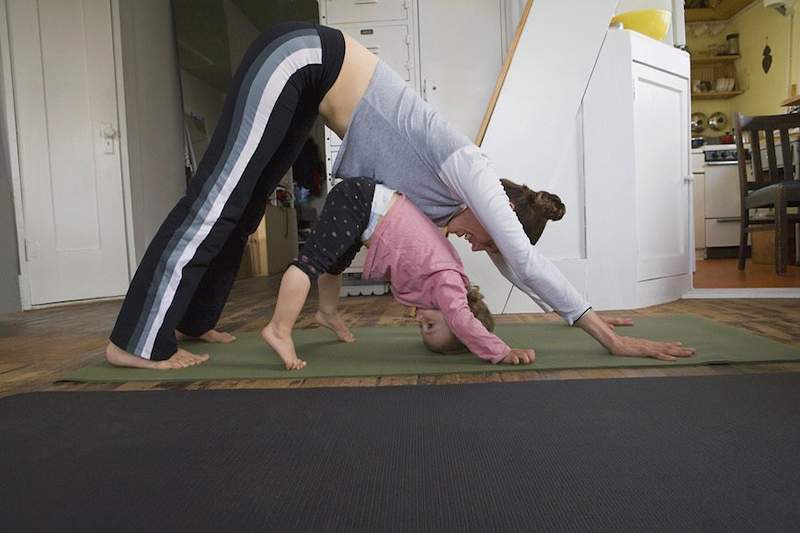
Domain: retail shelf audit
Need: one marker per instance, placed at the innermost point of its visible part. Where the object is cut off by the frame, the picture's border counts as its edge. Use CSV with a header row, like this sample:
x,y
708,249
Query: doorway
x,y
212,37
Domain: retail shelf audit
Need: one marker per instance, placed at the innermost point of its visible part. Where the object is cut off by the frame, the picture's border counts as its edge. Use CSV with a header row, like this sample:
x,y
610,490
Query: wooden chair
x,y
776,189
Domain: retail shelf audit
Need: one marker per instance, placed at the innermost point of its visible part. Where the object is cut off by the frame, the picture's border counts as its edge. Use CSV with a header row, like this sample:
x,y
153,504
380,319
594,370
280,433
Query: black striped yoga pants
x,y
189,267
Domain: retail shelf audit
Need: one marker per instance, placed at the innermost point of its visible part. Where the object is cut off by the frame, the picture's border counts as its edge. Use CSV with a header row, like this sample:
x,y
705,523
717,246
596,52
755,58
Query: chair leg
x,y
743,241
781,233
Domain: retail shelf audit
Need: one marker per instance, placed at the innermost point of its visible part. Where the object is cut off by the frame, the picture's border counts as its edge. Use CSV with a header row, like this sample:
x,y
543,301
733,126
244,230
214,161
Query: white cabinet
x,y
460,61
387,28
661,155
344,11
392,43
636,160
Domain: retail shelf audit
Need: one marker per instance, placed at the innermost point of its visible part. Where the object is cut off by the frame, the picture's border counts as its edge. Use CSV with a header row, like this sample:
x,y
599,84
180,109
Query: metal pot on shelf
x,y
718,121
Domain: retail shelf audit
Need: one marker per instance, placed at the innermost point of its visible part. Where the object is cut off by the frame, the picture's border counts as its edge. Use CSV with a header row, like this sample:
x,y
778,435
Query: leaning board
x,y
531,115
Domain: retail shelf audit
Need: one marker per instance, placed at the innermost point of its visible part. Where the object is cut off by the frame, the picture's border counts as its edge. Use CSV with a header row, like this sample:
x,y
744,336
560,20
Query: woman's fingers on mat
x,y
666,351
618,322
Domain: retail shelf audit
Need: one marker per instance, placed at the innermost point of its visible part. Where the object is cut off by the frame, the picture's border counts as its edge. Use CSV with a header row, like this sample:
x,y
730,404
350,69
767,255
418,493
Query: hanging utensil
x,y
718,121
699,122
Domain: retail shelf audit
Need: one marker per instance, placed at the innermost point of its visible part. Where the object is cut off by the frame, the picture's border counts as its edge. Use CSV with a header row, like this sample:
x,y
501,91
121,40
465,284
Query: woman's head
x,y
436,334
533,208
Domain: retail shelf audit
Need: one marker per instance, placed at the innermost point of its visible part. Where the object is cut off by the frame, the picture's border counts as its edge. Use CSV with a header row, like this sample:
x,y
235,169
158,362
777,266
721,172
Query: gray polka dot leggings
x,y
336,239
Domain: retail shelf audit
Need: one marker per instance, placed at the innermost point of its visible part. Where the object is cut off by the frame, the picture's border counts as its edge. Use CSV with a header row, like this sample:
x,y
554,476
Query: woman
x,y
289,75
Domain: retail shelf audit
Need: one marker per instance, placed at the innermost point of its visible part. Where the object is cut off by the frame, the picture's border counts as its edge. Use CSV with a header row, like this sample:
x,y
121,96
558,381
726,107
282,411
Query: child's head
x,y
436,335
533,208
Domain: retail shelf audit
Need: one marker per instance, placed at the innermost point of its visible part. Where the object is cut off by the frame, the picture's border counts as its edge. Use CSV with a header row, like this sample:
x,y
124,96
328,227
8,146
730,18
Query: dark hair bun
x,y
550,206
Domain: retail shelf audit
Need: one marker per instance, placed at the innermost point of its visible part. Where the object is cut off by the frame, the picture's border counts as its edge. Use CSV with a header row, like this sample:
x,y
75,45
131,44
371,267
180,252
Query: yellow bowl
x,y
651,22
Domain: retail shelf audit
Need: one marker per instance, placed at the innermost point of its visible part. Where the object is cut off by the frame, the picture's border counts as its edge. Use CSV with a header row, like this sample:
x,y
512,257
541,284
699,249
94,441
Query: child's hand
x,y
518,356
294,364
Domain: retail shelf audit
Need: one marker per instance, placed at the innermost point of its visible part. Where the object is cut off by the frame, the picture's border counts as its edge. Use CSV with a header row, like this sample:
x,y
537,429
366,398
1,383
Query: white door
x,y
661,119
461,54
62,62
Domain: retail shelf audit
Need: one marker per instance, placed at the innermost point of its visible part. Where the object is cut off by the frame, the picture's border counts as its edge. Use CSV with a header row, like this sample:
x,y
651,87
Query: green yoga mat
x,y
386,351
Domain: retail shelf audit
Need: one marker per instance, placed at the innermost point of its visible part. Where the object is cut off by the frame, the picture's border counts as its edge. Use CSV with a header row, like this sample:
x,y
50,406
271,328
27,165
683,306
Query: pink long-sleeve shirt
x,y
424,270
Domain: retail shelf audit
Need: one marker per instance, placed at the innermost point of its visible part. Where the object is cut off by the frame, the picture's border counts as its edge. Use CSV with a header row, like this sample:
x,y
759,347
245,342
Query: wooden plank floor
x,y
38,347
724,274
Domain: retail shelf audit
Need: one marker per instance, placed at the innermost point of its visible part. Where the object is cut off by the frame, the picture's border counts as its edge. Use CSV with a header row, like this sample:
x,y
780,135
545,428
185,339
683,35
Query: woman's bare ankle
x,y
116,356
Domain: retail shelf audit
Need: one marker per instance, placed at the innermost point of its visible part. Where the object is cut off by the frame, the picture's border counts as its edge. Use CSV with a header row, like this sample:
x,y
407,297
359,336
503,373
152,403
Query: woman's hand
x,y
635,347
518,356
603,331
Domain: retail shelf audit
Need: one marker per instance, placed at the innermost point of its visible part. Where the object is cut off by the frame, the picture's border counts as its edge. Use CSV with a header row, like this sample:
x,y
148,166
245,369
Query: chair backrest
x,y
768,124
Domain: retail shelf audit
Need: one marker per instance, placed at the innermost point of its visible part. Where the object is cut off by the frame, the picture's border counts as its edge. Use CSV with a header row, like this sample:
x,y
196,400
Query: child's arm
x,y
450,296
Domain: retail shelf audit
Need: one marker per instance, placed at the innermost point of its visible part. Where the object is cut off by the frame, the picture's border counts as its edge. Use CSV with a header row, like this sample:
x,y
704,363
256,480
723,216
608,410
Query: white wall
x,y
9,262
635,5
204,101
154,114
199,97
241,33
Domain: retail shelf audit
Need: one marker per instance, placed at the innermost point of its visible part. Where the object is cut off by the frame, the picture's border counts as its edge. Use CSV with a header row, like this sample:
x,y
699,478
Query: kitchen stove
x,y
720,154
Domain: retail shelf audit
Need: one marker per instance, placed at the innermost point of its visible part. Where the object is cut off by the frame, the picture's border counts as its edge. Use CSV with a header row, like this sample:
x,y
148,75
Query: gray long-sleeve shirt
x,y
399,140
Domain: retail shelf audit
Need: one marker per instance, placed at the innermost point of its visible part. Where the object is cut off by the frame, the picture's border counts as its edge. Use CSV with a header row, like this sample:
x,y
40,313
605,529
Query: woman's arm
x,y
603,332
469,175
507,273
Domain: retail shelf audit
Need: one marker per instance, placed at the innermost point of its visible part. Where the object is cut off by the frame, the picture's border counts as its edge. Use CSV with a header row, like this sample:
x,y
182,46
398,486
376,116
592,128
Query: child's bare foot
x,y
336,325
212,336
282,343
180,359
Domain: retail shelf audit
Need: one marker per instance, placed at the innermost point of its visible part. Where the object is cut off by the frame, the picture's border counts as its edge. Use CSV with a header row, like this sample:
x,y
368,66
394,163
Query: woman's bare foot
x,y
180,359
281,342
212,336
336,325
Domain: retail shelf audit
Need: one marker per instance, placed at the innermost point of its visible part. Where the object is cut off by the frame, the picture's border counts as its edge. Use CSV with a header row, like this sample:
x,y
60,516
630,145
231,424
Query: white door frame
x,y
122,117
9,107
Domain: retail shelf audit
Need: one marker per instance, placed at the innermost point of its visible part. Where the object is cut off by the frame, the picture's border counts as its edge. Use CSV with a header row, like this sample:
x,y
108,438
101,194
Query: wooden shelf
x,y
723,10
716,95
705,60
791,101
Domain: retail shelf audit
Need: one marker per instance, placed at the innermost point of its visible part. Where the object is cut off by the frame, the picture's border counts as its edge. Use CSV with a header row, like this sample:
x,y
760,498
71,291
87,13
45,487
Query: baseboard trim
x,y
732,294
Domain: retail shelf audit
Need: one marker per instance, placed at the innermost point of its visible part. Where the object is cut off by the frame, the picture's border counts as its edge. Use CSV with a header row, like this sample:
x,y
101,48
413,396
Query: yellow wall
x,y
796,47
763,93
